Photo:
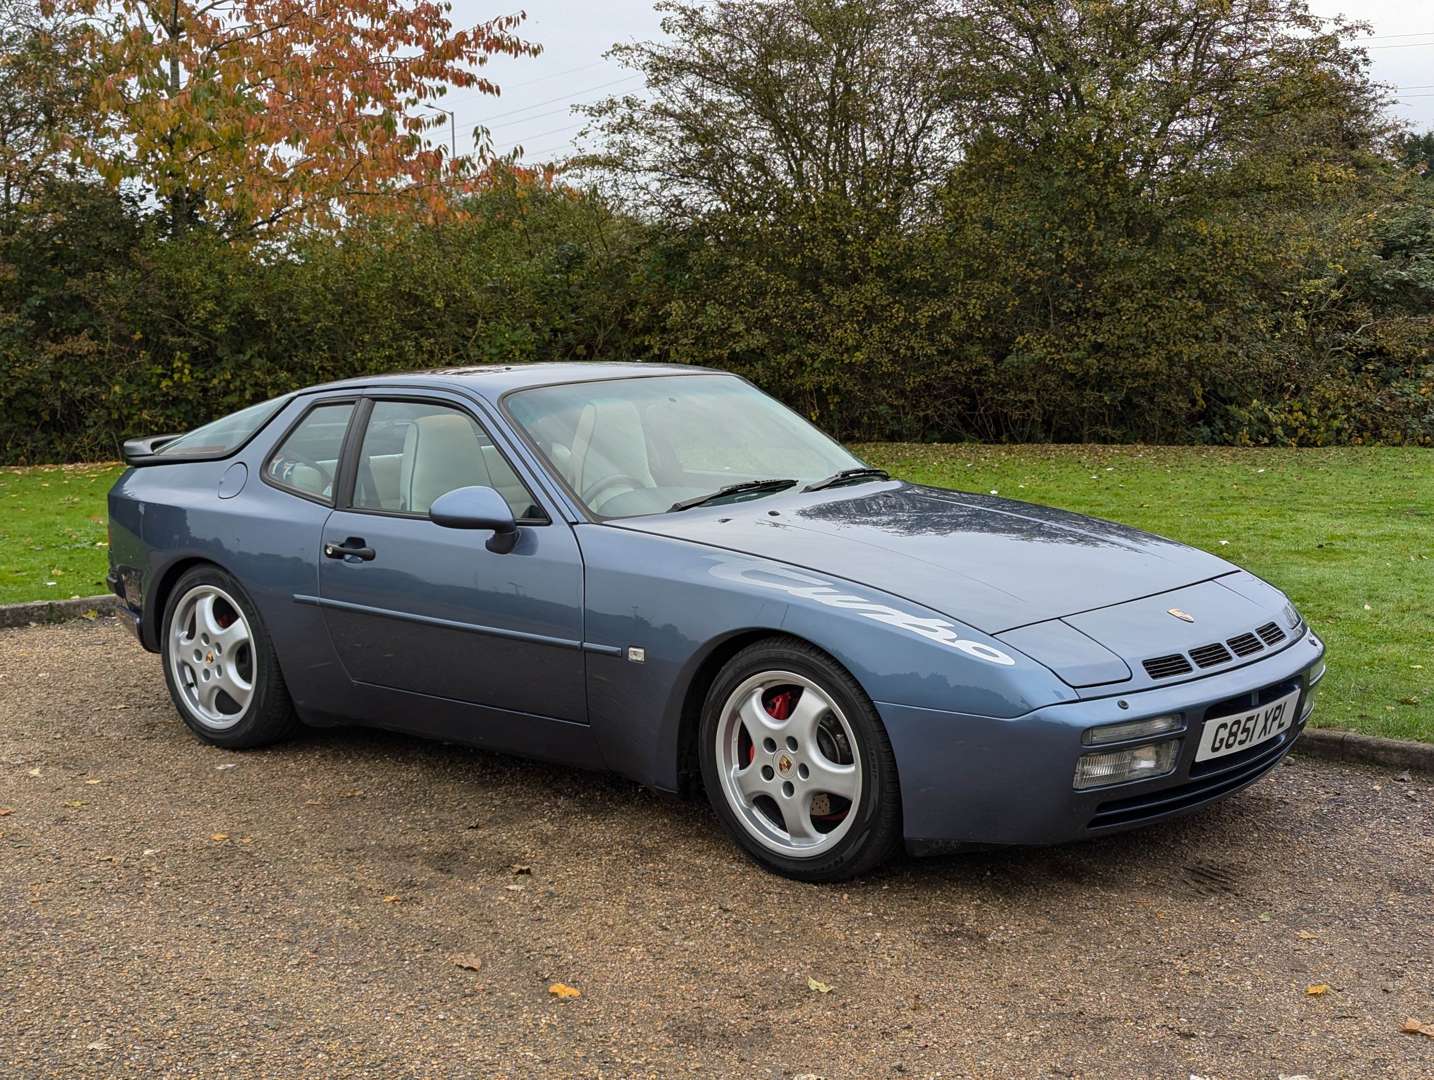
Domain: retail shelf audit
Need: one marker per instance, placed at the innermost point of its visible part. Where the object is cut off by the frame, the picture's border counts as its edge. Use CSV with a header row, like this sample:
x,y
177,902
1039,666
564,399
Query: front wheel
x,y
219,664
797,764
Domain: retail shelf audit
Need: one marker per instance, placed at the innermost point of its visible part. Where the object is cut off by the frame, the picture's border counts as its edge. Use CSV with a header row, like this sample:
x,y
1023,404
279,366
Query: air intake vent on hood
x,y
1165,667
1210,655
1271,633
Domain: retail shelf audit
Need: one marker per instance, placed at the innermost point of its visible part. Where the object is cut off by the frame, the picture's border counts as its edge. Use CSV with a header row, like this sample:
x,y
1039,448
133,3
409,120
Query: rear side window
x,y
307,461
224,434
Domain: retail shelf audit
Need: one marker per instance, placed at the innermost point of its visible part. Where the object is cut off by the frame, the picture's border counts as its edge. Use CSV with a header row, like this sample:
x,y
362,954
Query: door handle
x,y
353,546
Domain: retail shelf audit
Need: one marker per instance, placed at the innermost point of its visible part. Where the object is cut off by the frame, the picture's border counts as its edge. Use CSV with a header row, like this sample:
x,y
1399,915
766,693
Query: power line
x,y
557,112
556,75
1406,45
550,101
554,131
1386,37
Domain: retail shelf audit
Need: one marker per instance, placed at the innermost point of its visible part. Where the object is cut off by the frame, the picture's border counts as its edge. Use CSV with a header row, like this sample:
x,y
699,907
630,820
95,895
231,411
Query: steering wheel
x,y
594,495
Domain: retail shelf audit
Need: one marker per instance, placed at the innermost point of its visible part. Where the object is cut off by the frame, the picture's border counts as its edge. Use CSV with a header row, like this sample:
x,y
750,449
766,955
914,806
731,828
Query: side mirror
x,y
477,507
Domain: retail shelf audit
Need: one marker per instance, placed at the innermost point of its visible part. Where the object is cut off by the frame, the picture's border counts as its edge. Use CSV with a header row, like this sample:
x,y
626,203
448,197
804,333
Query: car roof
x,y
493,380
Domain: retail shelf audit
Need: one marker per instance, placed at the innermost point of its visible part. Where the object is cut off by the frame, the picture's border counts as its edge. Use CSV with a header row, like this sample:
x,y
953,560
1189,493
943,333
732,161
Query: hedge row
x,y
989,322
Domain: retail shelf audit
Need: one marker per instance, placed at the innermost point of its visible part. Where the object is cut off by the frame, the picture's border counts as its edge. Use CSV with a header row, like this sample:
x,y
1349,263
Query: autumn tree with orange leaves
x,y
266,115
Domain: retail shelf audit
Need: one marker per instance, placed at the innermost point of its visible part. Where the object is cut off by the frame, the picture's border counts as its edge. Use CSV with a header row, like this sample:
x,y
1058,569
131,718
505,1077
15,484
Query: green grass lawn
x,y
52,531
1348,533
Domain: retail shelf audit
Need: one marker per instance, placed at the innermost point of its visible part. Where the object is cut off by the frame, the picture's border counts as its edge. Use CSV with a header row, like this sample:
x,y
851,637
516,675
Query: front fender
x,y
678,601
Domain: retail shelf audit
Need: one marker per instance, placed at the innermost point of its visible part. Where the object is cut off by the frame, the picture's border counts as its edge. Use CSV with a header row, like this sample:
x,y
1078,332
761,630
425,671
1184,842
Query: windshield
x,y
224,434
638,446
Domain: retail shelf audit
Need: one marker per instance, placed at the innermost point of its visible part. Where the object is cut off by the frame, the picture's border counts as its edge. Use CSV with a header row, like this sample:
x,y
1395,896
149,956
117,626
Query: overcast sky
x,y
535,108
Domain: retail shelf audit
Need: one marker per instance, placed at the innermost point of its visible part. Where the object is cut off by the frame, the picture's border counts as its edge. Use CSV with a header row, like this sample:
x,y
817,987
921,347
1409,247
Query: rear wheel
x,y
797,764
219,664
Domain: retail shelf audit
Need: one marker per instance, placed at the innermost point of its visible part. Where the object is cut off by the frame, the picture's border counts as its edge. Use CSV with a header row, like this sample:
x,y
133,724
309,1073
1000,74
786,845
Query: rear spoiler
x,y
137,452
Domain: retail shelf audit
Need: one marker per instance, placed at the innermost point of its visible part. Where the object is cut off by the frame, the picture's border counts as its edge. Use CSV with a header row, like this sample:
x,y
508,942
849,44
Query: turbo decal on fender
x,y
797,584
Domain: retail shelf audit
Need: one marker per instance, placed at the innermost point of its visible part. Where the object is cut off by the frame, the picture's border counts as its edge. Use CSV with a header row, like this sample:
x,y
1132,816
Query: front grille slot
x,y
1215,653
1165,667
1245,644
1210,655
1271,634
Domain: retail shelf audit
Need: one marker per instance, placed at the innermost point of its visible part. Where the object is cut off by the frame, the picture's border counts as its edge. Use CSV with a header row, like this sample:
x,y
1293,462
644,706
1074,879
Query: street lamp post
x,y
452,128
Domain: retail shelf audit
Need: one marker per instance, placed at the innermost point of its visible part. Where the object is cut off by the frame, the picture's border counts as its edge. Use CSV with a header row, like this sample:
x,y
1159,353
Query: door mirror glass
x,y
477,507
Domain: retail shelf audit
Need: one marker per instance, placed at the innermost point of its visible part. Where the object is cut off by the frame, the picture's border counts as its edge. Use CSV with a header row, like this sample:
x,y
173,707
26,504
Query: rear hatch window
x,y
225,434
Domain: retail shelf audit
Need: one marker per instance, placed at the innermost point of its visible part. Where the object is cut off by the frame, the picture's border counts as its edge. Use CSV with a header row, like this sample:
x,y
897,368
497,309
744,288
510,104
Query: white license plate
x,y
1231,734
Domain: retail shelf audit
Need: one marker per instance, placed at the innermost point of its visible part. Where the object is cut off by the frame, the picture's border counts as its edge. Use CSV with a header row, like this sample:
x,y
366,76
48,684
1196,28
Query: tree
x,y
1416,153
42,86
755,107
257,113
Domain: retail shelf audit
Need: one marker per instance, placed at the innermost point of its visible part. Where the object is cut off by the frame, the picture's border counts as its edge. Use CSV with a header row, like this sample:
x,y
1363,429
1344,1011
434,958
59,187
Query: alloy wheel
x,y
211,655
789,764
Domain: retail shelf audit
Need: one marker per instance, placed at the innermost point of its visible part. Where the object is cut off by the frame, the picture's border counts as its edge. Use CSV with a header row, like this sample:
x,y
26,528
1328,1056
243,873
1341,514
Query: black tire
x,y
269,713
875,832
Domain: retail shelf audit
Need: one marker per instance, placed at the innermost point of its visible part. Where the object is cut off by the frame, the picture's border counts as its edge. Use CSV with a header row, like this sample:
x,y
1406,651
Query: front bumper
x,y
979,780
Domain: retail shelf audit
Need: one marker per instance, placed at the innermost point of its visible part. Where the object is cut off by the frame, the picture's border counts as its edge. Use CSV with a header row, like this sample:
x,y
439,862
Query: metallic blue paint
x,y
989,633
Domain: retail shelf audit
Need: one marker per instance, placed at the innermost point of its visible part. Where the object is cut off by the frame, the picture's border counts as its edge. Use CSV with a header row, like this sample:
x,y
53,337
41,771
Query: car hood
x,y
992,563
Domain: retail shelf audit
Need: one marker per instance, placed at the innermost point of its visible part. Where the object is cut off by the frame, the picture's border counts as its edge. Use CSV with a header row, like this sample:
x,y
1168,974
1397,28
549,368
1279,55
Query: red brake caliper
x,y
779,707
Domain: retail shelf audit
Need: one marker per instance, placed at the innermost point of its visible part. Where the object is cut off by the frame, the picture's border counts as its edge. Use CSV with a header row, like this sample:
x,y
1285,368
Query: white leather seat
x,y
446,450
609,441
440,452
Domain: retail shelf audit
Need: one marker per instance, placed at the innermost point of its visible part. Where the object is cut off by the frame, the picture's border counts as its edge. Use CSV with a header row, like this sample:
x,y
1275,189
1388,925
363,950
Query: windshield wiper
x,y
744,488
846,476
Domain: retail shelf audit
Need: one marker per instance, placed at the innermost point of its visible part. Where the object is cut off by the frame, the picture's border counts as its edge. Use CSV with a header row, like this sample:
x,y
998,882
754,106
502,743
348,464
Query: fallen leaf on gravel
x,y
391,899
1265,916
519,868
468,963
97,1045
74,804
226,765
817,985
32,772
92,780
1414,1027
219,837
564,991
151,851
6,811
90,613
514,887
1307,935
1317,989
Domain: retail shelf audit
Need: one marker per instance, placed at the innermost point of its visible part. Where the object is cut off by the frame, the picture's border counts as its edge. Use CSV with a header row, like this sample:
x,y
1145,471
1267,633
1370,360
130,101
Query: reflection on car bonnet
x,y
811,588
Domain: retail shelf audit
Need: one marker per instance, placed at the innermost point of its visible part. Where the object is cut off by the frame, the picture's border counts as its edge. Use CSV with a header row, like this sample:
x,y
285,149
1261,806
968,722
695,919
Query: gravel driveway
x,y
176,909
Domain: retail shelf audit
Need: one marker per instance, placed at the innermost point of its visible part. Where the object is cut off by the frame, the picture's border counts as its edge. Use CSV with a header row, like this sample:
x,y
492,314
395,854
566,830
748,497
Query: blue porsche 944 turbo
x,y
663,572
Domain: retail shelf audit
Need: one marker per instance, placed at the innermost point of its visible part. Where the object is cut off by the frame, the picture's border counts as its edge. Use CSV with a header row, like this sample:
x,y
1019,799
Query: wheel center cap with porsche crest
x,y
784,764
1183,616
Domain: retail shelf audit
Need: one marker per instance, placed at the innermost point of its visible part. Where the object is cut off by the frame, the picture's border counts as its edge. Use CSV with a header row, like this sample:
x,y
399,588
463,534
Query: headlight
x,y
1132,729
1132,763
1292,616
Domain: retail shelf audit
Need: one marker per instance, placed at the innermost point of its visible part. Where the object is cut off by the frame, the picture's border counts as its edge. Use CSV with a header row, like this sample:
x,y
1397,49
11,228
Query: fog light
x,y
1132,763
1132,729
